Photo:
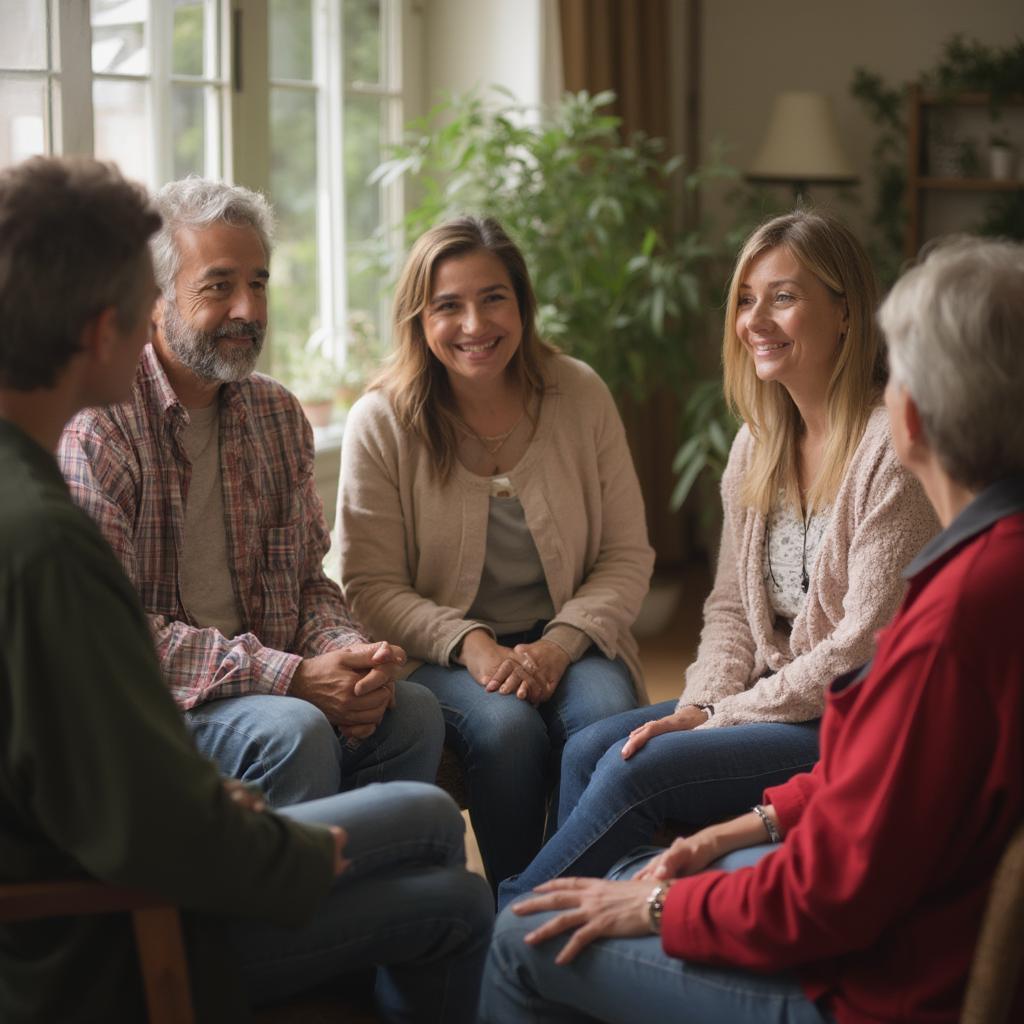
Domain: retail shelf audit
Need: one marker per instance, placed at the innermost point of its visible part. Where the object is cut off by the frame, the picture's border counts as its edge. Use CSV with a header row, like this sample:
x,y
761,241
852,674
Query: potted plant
x,y
1000,157
312,375
364,354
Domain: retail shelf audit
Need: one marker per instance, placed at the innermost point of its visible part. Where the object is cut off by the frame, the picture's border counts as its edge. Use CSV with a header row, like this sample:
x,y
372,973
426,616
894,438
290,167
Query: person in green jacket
x,y
98,777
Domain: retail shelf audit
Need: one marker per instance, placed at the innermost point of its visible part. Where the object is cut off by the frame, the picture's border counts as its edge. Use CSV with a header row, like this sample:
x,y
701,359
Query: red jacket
x,y
877,893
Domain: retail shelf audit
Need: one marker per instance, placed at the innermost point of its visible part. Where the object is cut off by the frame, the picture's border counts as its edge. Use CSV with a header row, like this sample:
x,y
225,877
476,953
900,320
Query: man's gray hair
x,y
195,202
955,330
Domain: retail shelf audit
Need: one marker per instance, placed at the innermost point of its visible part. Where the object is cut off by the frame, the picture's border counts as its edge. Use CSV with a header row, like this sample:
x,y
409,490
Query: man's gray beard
x,y
200,352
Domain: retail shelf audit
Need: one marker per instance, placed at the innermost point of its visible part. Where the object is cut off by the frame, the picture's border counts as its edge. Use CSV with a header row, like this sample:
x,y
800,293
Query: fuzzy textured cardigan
x,y
879,520
412,548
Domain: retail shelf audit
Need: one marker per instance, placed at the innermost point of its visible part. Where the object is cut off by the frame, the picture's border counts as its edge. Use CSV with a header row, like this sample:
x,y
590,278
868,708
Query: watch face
x,y
655,906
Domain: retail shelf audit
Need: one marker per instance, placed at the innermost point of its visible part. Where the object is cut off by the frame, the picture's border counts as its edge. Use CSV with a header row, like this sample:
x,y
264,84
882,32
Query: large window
x,y
293,97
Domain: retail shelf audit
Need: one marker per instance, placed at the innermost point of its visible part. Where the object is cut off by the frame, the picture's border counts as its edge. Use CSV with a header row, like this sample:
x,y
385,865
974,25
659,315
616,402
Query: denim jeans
x,y
405,905
609,806
287,748
626,980
510,750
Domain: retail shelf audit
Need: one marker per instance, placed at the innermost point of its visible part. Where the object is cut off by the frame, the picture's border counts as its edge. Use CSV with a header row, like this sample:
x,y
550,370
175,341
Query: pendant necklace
x,y
491,443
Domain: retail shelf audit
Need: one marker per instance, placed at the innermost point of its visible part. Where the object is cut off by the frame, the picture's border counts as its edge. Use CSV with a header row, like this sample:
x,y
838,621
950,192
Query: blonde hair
x,y
826,248
414,379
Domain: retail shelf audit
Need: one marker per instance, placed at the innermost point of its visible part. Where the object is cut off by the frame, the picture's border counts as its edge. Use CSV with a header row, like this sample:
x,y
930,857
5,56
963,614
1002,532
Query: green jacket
x,y
98,776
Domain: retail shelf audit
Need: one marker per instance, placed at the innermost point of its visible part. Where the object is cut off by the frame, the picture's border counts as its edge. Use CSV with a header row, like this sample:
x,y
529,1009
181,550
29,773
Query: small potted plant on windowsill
x,y
313,376
364,354
1000,158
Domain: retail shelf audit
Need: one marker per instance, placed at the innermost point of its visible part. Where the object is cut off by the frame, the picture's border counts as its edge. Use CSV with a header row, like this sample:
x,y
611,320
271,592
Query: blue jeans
x,y
287,748
628,980
510,750
609,806
406,905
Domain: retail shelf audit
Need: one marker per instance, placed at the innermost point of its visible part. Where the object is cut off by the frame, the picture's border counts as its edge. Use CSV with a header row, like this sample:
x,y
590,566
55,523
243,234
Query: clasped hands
x,y
531,671
352,686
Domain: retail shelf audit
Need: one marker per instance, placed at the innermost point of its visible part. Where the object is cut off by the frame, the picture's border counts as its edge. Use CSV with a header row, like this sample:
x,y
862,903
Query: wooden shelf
x,y
920,184
969,99
970,184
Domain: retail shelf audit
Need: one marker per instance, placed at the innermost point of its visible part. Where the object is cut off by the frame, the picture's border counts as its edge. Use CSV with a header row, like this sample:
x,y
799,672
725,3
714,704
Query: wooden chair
x,y
451,778
157,927
996,969
161,949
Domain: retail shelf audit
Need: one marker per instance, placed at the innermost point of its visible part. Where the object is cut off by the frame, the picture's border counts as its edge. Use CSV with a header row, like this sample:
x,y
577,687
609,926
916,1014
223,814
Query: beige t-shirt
x,y
204,577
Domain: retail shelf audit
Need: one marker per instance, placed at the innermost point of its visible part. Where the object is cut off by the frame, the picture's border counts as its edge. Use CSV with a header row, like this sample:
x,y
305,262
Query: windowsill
x,y
328,439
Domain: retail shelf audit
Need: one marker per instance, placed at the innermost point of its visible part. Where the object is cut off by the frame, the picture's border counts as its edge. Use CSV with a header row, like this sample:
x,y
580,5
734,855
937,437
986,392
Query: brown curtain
x,y
629,46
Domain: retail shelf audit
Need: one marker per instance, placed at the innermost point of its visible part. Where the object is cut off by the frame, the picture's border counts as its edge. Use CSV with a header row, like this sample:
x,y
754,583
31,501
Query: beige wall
x,y
753,50
476,43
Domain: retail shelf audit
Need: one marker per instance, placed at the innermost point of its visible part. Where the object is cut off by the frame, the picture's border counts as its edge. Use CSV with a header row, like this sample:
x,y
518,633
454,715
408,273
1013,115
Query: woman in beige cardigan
x,y
490,522
820,520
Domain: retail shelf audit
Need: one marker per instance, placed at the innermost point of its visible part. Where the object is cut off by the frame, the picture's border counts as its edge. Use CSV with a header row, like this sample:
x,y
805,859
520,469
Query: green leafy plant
x,y
886,107
709,428
309,371
965,66
591,211
970,66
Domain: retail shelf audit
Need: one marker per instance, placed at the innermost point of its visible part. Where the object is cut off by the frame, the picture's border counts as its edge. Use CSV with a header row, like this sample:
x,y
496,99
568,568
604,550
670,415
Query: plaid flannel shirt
x,y
127,467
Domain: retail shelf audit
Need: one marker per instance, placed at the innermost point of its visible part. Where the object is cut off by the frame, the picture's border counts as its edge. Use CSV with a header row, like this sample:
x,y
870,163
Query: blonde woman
x,y
491,524
820,519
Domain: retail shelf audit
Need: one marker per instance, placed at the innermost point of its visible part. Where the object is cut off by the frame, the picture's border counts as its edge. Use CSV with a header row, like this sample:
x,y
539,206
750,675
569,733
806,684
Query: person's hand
x,y
679,721
244,795
546,662
592,908
352,686
340,840
686,856
494,667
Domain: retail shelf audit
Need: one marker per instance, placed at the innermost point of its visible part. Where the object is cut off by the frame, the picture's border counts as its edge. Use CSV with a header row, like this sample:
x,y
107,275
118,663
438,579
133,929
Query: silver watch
x,y
656,905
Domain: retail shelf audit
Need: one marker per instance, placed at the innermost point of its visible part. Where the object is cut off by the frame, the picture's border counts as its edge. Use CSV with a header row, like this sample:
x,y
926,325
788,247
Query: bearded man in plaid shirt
x,y
202,483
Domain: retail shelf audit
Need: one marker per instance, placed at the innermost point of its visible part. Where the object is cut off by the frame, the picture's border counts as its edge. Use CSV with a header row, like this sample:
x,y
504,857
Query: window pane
x,y
121,124
188,120
291,39
361,40
22,120
119,36
362,154
188,44
23,39
294,299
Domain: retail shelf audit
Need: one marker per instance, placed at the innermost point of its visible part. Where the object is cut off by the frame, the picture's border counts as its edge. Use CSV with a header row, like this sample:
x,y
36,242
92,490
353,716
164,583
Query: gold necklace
x,y
491,443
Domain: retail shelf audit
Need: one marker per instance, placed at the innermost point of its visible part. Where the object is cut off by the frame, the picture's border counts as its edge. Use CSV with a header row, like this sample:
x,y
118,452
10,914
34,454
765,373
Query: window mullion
x,y
328,73
214,102
75,99
160,33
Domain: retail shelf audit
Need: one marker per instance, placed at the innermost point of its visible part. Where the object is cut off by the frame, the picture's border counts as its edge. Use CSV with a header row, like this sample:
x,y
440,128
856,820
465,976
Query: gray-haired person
x,y
202,483
98,776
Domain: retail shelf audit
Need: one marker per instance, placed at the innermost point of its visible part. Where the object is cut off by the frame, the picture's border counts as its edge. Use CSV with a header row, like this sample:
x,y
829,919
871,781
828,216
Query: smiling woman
x,y
820,519
489,517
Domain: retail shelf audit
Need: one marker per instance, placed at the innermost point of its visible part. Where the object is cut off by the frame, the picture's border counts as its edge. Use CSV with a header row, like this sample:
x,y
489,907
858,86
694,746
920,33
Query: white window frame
x,y
236,147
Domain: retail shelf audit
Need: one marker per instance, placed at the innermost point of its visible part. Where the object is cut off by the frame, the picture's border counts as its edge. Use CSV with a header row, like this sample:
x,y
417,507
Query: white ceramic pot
x,y
1001,160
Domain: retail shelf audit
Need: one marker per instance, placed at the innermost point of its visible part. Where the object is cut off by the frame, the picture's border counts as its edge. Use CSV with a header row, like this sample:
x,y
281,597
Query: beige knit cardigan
x,y
880,519
412,549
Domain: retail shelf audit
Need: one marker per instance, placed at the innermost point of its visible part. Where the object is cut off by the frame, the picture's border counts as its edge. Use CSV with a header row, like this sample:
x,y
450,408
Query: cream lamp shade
x,y
801,145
